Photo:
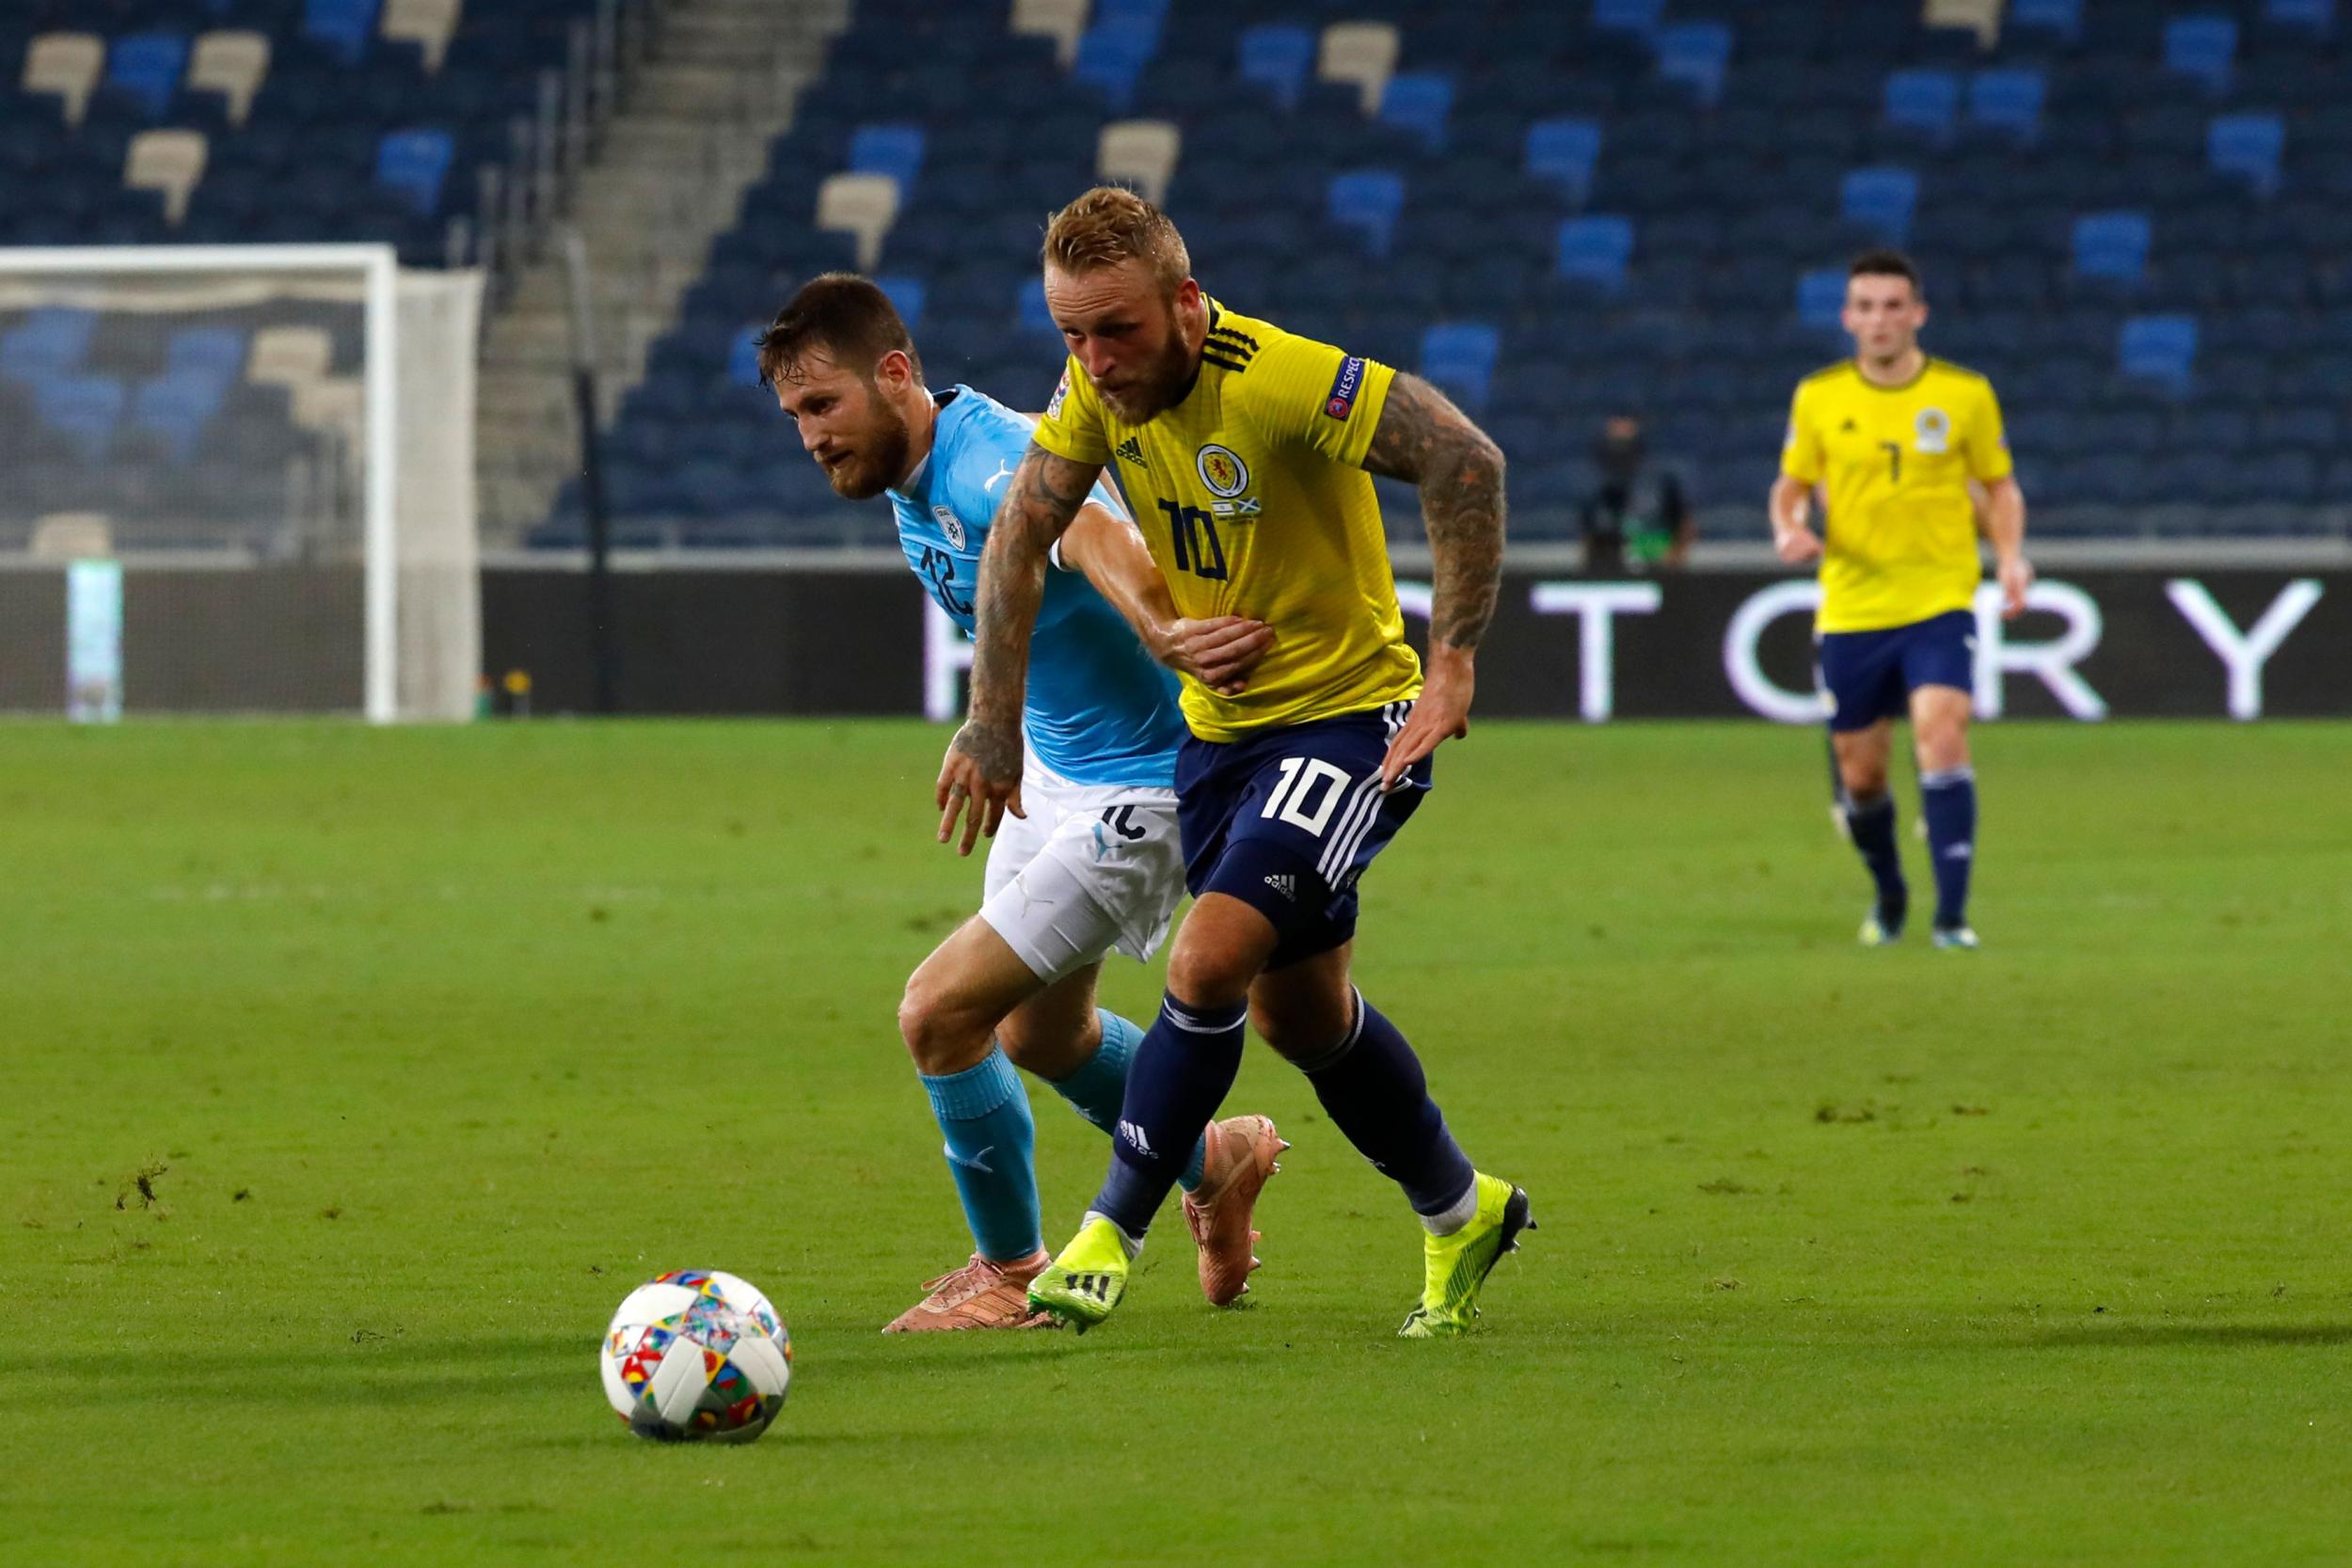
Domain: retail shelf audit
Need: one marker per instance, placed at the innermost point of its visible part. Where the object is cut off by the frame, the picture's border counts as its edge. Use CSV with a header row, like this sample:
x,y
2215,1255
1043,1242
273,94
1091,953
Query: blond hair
x,y
1109,225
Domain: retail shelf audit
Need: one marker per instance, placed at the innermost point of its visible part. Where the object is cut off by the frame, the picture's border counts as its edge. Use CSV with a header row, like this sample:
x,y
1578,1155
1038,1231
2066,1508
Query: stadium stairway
x,y
692,138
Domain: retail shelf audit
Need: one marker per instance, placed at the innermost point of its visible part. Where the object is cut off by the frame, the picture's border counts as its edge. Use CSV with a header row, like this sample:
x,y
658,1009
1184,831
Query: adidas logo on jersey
x,y
1131,451
1285,884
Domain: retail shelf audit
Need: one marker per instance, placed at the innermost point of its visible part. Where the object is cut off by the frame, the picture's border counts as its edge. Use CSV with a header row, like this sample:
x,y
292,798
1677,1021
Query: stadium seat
x,y
1821,297
1694,54
1419,102
2057,19
66,64
1062,21
2158,350
1368,201
1923,100
53,342
1596,250
1361,53
1880,199
1029,312
176,407
71,536
232,64
2008,100
2316,18
1627,16
342,27
290,356
427,23
1140,152
743,357
895,151
1563,151
1111,57
146,68
83,408
216,351
1276,56
1980,18
2112,246
2202,47
908,297
167,161
2250,147
415,165
862,206
1460,359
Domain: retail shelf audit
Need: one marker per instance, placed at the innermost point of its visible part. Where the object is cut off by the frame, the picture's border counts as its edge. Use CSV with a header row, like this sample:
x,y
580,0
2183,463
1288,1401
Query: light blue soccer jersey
x,y
1101,711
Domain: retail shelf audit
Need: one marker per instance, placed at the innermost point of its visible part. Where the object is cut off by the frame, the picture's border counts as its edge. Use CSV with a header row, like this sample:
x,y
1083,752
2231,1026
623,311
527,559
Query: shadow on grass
x,y
2172,1335
386,1369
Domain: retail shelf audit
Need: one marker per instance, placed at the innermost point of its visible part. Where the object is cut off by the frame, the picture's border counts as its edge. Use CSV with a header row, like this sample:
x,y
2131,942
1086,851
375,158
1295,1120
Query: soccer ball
x,y
695,1354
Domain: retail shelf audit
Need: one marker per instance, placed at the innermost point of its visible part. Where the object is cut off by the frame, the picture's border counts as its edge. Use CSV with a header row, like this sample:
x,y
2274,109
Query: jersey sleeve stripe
x,y
1221,362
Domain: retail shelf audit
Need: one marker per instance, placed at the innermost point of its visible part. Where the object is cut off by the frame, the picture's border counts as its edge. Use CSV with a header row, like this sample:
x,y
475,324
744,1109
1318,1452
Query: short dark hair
x,y
846,316
1884,263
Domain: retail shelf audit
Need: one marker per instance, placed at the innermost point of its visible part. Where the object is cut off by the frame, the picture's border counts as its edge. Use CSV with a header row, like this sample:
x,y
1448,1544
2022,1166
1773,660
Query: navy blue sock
x,y
1871,826
1949,800
1183,1068
1098,1087
990,1142
1372,1085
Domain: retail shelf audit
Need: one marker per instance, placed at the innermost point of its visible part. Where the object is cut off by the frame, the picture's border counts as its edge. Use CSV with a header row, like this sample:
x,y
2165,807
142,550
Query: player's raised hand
x,y
1440,713
1796,546
983,771
1219,652
2016,574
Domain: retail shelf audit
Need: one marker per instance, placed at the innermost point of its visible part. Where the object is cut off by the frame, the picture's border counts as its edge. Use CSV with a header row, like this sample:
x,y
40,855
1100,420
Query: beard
x,y
1153,390
879,464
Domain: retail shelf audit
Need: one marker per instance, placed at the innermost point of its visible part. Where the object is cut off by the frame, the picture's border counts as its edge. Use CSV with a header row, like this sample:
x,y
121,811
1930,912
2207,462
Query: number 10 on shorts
x,y
1301,778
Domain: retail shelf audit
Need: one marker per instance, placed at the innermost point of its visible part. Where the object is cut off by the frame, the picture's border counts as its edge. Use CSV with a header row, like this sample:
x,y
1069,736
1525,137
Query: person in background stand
x,y
1637,517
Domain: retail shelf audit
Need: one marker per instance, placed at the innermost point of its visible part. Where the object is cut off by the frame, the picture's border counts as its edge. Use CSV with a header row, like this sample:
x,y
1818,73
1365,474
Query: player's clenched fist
x,y
982,773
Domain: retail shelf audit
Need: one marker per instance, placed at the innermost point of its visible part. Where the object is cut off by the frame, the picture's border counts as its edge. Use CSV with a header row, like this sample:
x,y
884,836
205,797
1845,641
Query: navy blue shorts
x,y
1288,820
1870,675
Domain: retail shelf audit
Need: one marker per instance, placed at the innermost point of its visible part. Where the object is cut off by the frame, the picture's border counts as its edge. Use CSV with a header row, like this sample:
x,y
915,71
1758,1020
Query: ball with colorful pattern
x,y
696,1355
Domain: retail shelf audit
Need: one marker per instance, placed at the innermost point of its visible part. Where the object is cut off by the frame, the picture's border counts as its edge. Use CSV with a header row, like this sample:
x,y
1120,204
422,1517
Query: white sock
x,y
1455,1215
1134,1244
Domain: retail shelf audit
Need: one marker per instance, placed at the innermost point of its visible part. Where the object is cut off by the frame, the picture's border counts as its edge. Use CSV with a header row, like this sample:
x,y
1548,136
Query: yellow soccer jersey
x,y
1899,538
1251,497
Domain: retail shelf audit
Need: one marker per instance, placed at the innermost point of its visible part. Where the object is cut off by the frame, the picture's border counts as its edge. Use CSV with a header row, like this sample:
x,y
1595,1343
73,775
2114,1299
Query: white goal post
x,y
276,444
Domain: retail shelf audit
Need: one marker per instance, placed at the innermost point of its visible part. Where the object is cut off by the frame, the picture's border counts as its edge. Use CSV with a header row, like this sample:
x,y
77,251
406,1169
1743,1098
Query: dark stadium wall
x,y
2097,643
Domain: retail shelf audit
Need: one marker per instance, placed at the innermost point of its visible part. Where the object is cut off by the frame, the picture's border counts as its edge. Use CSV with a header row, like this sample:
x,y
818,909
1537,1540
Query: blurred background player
x,y
1096,867
1256,448
1894,438
1636,514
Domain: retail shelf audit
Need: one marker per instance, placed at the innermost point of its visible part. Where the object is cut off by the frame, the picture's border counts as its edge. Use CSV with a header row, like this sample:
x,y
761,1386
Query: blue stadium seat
x,y
2249,146
1368,201
1029,311
1563,151
147,67
1459,357
743,357
2159,350
1821,297
1419,102
1880,199
907,297
1596,250
1277,56
83,408
2059,19
1923,100
415,164
1142,15
1627,16
52,343
2008,100
343,27
1695,54
2314,17
895,149
175,408
214,351
2203,47
2112,246
1111,57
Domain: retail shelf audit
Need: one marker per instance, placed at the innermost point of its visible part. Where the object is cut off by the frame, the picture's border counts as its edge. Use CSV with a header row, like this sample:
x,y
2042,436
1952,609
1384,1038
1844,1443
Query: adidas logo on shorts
x,y
1285,884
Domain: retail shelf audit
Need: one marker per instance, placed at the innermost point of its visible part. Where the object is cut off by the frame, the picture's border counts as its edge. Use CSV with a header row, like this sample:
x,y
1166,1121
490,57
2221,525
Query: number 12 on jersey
x,y
1198,551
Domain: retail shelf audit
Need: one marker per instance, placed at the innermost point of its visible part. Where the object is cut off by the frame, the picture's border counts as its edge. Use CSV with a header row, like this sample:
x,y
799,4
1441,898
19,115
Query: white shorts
x,y
1090,869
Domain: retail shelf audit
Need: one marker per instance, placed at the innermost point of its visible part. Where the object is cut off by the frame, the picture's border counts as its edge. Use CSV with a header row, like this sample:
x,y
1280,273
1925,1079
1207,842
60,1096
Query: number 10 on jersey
x,y
1198,551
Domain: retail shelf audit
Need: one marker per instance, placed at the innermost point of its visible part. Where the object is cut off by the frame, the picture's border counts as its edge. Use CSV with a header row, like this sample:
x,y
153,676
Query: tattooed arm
x,y
1424,439
983,762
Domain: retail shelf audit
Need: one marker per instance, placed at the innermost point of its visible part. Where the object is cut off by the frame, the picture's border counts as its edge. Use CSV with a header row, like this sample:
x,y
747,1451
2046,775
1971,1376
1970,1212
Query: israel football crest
x,y
950,524
1222,470
1931,432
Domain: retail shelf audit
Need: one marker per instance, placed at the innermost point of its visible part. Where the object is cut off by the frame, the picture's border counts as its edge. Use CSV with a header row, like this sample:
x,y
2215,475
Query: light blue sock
x,y
1099,1085
990,1141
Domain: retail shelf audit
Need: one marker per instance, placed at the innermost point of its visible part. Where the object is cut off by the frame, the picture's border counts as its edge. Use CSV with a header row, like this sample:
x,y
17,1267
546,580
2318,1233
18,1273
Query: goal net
x,y
237,480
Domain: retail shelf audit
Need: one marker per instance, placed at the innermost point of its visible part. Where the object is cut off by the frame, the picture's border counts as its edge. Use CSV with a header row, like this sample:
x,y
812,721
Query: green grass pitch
x,y
351,1078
